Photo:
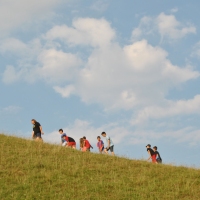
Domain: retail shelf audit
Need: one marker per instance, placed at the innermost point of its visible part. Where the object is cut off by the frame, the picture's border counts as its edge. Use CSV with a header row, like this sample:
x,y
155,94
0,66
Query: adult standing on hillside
x,y
110,144
37,130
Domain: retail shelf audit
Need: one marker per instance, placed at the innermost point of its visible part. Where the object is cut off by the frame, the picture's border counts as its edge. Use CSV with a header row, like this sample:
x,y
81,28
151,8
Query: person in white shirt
x,y
110,144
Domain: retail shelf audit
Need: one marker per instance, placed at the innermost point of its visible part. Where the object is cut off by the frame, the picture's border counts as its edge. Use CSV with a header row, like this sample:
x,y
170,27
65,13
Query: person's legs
x,y
112,150
106,150
38,137
71,145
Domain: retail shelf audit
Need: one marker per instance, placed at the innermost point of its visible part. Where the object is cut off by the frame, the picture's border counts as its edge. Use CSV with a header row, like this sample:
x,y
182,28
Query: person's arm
x,y
149,154
108,143
90,145
32,134
41,130
102,146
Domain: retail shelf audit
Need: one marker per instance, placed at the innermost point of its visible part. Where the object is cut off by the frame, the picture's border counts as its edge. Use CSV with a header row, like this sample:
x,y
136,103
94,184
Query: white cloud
x,y
15,13
57,66
85,31
100,5
174,10
196,50
166,25
53,66
14,46
180,107
10,110
10,75
134,76
66,91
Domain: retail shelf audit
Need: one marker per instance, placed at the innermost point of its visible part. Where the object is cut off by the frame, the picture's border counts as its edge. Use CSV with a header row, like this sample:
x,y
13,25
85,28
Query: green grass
x,y
36,171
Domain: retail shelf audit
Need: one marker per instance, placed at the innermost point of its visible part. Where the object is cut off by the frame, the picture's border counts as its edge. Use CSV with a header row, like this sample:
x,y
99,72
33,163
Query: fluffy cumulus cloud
x,y
135,76
172,108
84,31
166,25
15,13
57,66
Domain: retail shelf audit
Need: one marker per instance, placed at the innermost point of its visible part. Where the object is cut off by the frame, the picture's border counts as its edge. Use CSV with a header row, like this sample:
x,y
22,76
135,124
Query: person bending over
x,y
70,142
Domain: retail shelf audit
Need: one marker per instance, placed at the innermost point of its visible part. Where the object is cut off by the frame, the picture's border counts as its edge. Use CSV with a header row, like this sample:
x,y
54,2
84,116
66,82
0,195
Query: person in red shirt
x,y
151,153
70,142
87,144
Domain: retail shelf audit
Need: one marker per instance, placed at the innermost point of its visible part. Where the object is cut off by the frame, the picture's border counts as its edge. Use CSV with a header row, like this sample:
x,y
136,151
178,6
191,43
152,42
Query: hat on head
x,y
148,145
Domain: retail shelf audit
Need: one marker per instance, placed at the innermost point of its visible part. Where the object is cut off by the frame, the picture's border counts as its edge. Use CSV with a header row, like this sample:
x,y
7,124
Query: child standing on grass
x,y
158,158
82,148
63,136
87,144
100,144
110,145
151,153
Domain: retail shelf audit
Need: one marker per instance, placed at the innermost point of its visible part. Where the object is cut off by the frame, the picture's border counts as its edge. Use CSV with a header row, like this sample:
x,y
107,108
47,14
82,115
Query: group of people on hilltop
x,y
85,144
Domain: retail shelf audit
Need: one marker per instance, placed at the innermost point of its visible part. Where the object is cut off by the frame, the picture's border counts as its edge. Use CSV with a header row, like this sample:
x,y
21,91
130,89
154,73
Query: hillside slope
x,y
30,170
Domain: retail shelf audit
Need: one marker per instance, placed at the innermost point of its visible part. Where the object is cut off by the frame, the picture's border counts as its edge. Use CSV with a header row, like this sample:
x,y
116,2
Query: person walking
x,y
100,144
37,130
158,157
82,147
151,153
110,144
87,144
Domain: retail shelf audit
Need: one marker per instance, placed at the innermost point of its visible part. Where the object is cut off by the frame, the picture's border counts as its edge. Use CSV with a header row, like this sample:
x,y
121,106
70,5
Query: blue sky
x,y
130,69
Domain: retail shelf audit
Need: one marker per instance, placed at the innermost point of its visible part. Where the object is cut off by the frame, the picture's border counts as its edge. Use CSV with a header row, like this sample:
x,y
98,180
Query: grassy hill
x,y
36,171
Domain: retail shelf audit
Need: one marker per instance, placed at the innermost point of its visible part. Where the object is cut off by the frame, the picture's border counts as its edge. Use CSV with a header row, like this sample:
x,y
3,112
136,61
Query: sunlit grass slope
x,y
30,170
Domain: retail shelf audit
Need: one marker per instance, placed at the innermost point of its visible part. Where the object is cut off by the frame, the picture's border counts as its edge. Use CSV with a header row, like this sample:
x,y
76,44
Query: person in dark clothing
x,y
70,142
158,157
37,130
151,153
